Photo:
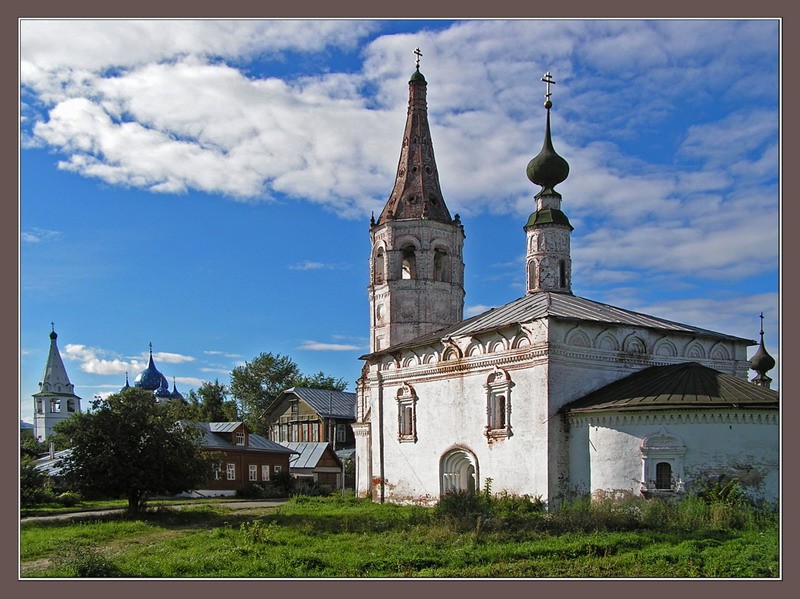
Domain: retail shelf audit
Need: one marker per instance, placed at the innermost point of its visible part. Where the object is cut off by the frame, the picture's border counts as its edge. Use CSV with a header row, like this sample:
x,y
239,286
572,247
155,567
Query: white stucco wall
x,y
606,450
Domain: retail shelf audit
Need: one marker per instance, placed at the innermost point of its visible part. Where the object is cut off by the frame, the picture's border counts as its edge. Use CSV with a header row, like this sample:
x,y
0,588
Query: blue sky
x,y
206,186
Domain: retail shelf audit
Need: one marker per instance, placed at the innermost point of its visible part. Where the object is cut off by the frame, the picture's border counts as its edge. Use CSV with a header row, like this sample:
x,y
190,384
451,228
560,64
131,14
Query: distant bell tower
x,y
416,264
548,262
56,399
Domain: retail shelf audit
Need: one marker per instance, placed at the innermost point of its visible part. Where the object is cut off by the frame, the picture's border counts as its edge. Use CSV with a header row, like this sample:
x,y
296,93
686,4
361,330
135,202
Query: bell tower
x,y
548,262
416,263
56,399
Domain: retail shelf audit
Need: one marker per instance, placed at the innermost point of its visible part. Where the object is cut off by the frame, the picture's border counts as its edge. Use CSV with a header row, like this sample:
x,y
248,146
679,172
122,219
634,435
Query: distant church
x,y
56,399
550,394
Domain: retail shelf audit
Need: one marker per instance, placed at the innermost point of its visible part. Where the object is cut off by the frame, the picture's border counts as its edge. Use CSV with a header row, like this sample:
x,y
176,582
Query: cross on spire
x,y
53,326
548,79
419,54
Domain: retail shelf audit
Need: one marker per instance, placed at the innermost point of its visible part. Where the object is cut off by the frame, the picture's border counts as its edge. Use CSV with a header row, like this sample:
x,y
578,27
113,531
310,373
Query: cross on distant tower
x,y
53,325
761,316
418,53
548,79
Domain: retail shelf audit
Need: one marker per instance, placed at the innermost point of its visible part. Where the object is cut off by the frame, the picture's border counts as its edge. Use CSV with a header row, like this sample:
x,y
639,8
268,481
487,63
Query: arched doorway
x,y
459,471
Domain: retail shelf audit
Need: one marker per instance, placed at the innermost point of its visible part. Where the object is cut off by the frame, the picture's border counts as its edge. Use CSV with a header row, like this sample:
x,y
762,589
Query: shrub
x,y
69,498
85,561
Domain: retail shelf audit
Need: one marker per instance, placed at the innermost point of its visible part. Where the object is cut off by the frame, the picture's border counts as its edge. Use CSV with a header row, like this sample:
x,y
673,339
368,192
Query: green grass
x,y
354,538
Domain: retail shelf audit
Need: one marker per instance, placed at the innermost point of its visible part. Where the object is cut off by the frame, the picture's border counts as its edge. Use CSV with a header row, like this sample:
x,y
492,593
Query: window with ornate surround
x,y
406,414
662,464
498,405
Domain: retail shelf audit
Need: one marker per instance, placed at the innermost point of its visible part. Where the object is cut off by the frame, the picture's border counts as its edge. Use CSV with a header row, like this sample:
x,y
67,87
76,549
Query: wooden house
x,y
304,415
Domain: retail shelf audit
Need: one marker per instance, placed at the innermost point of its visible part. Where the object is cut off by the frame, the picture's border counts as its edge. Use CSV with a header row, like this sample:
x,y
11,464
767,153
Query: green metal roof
x,y
548,216
676,386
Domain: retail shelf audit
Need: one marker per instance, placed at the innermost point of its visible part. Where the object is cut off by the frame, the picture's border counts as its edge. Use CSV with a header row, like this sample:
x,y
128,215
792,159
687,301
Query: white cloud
x,y
94,361
172,358
320,346
476,309
171,118
36,235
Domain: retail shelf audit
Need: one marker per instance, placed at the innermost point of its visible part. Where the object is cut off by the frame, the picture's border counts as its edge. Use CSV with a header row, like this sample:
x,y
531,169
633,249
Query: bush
x,y
35,487
85,561
69,498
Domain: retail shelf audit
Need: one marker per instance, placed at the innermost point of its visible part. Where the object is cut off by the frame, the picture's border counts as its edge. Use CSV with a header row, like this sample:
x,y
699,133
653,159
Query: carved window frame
x,y
662,447
498,398
406,414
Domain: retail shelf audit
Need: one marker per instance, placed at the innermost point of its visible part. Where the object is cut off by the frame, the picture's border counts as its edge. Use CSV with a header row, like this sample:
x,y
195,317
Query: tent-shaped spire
x,y
416,193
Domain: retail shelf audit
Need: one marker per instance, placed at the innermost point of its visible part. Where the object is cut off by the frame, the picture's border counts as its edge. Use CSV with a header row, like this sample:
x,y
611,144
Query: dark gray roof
x,y
51,466
563,306
308,454
678,386
214,437
333,404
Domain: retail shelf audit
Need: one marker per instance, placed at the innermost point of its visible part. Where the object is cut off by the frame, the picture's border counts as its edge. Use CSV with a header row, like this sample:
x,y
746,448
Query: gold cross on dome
x,y
419,54
548,79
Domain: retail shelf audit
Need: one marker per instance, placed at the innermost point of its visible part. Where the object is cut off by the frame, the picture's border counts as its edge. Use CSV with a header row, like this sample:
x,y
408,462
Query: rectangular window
x,y
341,433
231,470
239,438
217,471
265,472
315,433
253,472
277,469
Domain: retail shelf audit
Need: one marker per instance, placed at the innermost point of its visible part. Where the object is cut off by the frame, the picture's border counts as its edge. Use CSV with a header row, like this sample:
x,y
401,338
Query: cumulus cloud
x,y
98,361
176,111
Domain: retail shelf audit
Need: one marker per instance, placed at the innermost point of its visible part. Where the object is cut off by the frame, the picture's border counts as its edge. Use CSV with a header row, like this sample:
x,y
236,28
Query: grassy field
x,y
355,538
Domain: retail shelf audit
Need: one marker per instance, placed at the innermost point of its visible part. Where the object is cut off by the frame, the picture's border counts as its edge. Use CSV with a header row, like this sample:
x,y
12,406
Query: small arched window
x,y
379,268
663,475
440,266
409,265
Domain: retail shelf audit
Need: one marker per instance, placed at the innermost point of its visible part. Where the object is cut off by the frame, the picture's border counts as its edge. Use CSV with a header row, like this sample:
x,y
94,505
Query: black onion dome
x,y
150,378
547,169
175,393
762,362
163,390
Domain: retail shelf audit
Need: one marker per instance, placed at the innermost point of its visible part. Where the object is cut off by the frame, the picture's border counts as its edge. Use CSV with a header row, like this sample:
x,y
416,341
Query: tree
x,y
129,446
257,384
214,405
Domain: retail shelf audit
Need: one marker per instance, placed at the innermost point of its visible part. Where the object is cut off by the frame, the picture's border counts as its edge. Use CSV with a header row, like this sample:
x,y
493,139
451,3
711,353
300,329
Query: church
x,y
550,395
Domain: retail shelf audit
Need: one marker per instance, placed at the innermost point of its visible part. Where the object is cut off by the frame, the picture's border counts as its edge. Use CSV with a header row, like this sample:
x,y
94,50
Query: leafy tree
x,y
257,384
214,405
30,447
129,446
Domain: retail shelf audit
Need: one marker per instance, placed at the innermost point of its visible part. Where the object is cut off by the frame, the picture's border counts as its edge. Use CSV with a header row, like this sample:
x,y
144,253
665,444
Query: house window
x,y
341,433
217,471
315,432
231,471
252,472
662,464
498,405
294,407
240,438
265,472
276,469
406,414
663,476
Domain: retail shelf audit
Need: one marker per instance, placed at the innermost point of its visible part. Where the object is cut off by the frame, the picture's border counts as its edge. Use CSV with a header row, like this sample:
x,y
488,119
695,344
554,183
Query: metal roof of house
x,y
677,386
308,454
213,439
51,466
563,306
327,403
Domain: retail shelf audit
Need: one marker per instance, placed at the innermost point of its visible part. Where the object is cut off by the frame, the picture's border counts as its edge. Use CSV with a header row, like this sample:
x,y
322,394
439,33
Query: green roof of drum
x,y
548,216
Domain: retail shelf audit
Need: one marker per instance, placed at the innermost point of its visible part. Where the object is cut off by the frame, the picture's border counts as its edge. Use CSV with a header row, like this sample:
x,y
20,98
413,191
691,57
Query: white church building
x,y
551,394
